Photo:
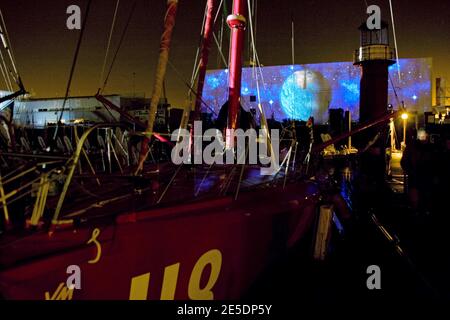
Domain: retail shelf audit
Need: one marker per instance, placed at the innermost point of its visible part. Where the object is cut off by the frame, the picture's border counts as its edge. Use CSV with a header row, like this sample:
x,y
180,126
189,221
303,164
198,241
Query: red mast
x,y
237,22
206,45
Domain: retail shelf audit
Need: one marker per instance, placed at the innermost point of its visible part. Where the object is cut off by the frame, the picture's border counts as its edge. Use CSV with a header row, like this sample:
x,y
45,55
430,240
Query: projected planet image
x,y
299,91
305,93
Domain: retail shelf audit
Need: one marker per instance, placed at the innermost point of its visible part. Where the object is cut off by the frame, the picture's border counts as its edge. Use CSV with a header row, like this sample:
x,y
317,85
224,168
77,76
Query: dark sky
x,y
325,31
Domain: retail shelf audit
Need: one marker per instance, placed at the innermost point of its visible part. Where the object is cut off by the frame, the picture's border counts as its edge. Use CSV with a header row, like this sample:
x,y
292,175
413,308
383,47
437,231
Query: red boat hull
x,y
212,249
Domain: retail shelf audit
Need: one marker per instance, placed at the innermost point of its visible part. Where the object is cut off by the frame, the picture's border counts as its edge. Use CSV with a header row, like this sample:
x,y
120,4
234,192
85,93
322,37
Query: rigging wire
x,y
218,11
72,70
395,41
219,46
293,50
219,43
260,69
109,43
186,83
250,17
5,73
255,52
264,123
255,24
197,54
255,55
7,44
4,76
122,37
196,68
393,88
252,44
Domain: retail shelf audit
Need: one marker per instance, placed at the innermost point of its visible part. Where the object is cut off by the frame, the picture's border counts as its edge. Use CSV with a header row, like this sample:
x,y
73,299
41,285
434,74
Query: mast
x,y
206,45
169,23
237,23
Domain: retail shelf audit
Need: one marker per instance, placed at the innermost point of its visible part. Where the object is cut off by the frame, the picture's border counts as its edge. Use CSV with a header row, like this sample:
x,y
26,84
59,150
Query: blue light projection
x,y
300,91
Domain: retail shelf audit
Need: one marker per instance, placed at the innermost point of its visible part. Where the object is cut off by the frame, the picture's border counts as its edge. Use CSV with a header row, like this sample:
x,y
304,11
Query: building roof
x,y
69,98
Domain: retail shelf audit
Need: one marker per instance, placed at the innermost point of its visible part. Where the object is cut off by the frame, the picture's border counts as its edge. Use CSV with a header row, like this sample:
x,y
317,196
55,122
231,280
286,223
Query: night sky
x,y
325,31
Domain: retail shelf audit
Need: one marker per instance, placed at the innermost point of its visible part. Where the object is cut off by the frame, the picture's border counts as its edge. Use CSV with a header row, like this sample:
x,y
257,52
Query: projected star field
x,y
300,91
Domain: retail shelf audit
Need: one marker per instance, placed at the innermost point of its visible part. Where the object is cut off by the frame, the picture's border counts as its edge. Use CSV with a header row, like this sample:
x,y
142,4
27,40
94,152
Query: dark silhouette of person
x,y
419,162
245,119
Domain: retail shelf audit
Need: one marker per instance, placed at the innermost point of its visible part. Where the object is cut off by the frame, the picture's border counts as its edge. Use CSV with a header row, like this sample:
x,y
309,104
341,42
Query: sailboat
x,y
163,232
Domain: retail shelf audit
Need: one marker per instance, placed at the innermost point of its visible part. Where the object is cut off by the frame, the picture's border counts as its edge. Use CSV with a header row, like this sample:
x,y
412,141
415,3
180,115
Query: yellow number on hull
x,y
139,287
170,282
139,284
214,258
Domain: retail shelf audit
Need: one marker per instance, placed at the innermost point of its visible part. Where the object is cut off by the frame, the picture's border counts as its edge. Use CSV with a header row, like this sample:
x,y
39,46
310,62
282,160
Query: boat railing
x,y
80,152
39,182
287,164
363,127
74,162
39,177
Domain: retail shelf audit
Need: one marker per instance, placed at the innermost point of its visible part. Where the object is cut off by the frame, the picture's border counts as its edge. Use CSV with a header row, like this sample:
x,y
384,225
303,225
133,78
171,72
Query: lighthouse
x,y
374,56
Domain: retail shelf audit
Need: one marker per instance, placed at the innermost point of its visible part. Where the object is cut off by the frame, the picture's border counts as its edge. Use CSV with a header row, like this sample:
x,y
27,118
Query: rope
x,y
109,43
122,37
72,70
